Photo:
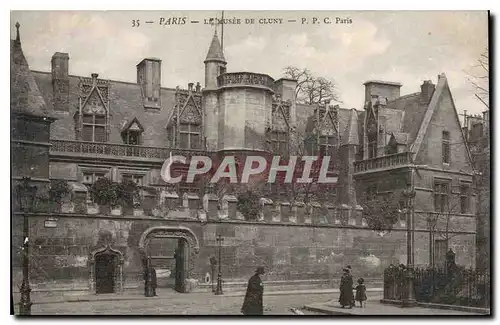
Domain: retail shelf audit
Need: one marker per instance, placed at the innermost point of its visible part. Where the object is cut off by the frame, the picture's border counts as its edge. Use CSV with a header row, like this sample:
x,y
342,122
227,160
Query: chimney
x,y
190,87
375,89
427,89
94,75
149,78
198,87
60,81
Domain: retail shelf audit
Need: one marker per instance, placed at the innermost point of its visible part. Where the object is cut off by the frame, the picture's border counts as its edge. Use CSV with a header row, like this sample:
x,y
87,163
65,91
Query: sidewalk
x,y
375,308
163,294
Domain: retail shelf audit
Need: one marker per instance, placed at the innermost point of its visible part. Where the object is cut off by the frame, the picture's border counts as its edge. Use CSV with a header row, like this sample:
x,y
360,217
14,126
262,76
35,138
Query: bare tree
x,y
310,88
479,78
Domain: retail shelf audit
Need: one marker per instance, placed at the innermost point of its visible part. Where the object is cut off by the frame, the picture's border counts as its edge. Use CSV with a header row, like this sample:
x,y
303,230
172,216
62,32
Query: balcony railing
x,y
398,159
117,149
246,79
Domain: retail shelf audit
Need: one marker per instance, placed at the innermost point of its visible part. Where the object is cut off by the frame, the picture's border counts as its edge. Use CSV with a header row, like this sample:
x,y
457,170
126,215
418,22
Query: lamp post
x,y
409,294
218,291
26,197
213,263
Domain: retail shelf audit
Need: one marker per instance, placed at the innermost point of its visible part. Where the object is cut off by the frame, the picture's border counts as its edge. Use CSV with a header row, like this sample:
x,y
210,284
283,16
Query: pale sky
x,y
405,46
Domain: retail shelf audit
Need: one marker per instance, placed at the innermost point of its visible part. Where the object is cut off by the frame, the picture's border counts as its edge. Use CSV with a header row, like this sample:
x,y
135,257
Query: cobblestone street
x,y
181,304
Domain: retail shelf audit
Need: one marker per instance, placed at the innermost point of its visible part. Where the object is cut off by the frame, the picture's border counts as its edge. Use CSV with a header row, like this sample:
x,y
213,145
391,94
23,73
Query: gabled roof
x,y
400,138
25,97
215,50
132,124
441,87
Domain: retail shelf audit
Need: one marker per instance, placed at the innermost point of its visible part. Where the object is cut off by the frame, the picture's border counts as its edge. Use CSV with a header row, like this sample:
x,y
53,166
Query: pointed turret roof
x,y
350,135
215,50
25,97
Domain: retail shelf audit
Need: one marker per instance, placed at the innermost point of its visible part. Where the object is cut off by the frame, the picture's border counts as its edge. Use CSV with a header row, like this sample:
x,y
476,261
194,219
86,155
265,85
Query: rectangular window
x,y
440,249
446,147
137,179
190,136
328,145
94,128
279,142
464,198
372,150
441,193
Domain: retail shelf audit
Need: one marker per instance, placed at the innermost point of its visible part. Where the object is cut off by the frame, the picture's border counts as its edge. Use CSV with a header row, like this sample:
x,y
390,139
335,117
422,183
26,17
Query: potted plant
x,y
103,193
58,190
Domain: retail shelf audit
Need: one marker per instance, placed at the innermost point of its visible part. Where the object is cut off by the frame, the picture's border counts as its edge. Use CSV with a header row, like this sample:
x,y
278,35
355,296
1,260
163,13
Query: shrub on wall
x,y
381,213
248,204
58,190
106,192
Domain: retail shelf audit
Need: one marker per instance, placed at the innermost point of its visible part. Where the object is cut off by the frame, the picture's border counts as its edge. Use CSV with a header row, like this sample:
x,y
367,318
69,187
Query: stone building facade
x,y
477,131
92,127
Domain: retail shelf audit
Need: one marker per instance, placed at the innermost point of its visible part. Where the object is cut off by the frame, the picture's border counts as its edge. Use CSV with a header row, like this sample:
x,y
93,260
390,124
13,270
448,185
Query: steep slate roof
x,y
215,50
125,104
25,97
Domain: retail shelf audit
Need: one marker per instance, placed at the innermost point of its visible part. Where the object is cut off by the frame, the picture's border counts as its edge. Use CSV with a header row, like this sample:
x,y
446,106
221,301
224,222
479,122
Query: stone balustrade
x,y
235,79
117,149
387,161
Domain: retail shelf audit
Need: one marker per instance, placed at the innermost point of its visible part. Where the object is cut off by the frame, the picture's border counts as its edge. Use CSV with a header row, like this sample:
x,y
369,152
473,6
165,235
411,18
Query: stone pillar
x,y
211,205
316,213
267,207
299,212
358,213
285,211
190,203
344,214
229,206
330,213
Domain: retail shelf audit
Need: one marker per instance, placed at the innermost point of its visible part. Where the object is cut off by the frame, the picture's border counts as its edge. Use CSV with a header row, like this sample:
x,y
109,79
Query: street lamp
x,y
26,197
218,291
409,294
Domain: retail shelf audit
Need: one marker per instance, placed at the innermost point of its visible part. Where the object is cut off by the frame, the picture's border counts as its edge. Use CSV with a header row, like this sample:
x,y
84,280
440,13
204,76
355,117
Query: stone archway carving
x,y
174,232
106,249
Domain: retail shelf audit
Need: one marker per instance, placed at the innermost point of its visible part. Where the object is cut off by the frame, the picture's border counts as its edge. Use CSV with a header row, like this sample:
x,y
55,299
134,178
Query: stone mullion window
x,y
189,136
464,198
94,128
441,196
279,142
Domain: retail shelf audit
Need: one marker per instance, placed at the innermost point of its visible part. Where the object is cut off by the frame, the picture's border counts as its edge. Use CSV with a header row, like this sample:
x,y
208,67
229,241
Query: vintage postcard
x,y
250,163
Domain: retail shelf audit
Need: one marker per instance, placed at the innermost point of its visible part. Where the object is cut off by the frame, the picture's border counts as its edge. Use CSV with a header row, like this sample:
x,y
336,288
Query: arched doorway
x,y
185,253
106,270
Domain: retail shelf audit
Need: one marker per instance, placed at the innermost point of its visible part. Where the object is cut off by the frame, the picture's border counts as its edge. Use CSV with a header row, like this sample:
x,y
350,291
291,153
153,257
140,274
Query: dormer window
x,y
132,132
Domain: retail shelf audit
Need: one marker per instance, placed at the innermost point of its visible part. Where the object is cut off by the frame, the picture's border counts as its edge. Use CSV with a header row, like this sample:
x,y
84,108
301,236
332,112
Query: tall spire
x,y
18,38
215,51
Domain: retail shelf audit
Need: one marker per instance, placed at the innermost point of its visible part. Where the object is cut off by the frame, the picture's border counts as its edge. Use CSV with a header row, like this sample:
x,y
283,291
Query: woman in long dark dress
x,y
253,303
346,296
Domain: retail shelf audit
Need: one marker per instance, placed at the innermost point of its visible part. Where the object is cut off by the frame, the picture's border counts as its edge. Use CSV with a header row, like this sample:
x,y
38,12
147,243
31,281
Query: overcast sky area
x,y
406,47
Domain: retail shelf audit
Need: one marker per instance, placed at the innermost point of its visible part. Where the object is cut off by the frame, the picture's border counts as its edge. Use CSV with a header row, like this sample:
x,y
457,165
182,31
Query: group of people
x,y
253,302
347,297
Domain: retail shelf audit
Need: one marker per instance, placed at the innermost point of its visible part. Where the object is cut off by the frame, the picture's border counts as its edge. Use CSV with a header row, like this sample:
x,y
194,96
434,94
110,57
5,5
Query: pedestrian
x,y
346,287
361,292
253,302
154,282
